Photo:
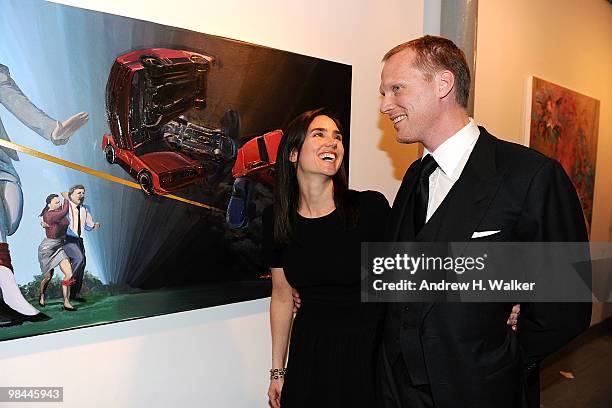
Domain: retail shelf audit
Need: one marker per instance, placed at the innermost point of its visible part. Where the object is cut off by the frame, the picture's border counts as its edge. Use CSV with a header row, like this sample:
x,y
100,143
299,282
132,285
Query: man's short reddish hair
x,y
437,53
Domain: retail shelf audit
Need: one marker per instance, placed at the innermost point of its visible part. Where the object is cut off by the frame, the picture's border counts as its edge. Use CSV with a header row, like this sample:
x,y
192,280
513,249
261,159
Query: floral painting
x,y
564,125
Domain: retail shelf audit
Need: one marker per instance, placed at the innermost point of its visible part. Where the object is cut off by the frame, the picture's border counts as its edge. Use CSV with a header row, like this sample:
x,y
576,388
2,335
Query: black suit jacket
x,y
473,358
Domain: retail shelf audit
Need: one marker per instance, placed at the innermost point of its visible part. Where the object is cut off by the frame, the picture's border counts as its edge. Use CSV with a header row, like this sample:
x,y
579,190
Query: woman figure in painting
x,y
51,249
312,237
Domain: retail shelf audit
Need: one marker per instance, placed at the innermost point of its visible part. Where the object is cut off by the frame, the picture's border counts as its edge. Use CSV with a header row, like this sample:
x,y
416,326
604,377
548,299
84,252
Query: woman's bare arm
x,y
281,316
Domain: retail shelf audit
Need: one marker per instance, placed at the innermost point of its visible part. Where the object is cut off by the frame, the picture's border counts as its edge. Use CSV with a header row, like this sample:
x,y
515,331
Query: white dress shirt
x,y
451,156
84,214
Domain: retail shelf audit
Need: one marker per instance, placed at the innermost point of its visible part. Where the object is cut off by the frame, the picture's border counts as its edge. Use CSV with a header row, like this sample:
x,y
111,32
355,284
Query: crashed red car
x,y
257,157
255,162
147,94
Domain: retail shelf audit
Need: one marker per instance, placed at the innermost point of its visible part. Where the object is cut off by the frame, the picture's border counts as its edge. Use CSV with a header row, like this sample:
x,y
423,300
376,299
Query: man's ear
x,y
293,157
445,81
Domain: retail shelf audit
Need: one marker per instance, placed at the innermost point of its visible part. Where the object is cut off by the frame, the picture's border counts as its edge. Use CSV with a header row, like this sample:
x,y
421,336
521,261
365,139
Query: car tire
x,y
146,182
109,153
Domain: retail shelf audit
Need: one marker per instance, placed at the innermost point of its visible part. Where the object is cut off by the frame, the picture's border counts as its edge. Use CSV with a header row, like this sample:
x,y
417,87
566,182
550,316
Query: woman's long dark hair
x,y
286,189
47,201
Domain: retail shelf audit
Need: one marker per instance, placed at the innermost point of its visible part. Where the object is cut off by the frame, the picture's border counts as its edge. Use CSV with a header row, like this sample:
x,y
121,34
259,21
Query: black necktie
x,y
428,165
79,221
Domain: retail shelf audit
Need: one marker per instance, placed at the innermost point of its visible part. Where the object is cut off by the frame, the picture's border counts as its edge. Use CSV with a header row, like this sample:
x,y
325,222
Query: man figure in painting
x,y
79,216
458,354
14,309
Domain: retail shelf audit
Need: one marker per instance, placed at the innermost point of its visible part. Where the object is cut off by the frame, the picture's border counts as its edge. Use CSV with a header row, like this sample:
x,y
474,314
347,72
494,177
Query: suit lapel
x,y
471,195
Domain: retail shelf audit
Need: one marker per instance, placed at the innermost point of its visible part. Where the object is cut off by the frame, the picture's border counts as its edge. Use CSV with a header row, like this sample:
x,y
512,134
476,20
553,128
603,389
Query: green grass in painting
x,y
102,308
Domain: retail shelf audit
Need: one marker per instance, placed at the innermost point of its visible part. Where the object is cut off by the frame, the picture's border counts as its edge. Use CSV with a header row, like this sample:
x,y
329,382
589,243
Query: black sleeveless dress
x,y
334,338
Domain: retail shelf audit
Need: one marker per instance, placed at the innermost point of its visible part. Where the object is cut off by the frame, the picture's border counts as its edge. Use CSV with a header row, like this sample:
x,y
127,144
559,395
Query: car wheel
x,y
109,153
146,182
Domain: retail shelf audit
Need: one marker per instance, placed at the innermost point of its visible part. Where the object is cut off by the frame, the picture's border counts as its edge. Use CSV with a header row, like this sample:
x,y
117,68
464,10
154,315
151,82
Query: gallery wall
x,y
220,356
564,42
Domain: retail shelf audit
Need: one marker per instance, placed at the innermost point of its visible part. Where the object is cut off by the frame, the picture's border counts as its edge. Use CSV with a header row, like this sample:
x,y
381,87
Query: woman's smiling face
x,y
322,151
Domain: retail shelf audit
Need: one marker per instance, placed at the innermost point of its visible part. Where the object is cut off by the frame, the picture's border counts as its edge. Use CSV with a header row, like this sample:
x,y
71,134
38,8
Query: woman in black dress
x,y
312,237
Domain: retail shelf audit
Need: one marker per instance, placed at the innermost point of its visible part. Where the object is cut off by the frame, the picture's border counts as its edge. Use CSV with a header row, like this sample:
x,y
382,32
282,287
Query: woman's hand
x,y
513,318
297,301
274,392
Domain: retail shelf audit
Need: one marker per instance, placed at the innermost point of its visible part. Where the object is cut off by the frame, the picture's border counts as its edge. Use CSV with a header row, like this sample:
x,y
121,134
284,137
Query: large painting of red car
x,y
148,94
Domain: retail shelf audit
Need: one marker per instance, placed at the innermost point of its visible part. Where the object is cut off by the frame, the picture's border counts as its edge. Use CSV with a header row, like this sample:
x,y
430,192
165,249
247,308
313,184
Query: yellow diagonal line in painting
x,y
96,173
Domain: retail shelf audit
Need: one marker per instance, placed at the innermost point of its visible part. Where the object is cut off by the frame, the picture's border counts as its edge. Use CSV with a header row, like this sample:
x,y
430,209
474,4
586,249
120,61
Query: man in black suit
x,y
468,185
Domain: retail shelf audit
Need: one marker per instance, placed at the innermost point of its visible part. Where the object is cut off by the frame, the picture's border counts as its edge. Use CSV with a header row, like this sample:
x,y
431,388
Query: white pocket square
x,y
480,234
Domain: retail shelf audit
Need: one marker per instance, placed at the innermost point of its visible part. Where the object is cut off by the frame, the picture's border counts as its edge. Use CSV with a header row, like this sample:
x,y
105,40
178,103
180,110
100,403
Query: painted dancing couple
x,y
64,224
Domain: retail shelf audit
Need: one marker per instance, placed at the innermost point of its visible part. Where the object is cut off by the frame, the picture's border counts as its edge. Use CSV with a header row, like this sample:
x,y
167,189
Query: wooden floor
x,y
589,359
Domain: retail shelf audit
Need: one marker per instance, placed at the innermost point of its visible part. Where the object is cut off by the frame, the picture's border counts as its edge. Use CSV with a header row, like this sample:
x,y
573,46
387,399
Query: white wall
x,y
219,357
565,42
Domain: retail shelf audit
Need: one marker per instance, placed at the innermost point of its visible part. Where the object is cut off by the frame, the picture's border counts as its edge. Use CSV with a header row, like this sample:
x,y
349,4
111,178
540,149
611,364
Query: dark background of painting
x,y
268,88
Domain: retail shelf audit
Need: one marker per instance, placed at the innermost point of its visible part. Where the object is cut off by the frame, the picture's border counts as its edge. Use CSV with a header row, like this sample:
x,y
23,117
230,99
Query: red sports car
x,y
257,157
147,93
